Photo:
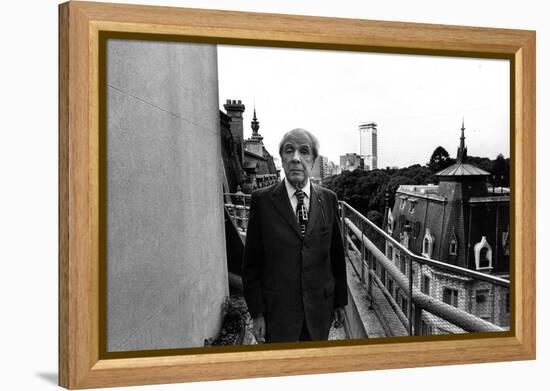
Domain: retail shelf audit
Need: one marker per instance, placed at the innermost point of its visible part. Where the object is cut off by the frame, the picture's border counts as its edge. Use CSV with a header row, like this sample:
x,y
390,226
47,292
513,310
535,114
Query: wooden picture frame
x,y
80,25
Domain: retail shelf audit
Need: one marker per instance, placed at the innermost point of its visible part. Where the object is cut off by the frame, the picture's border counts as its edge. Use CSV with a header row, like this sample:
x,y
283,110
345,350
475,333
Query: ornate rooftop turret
x,y
255,125
461,181
460,168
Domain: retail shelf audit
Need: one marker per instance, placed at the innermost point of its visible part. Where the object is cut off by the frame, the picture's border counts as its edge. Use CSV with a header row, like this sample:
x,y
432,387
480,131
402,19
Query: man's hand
x,y
339,317
258,328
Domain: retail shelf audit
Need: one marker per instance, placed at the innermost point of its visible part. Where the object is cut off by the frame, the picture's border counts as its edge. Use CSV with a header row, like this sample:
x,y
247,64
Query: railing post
x,y
410,314
370,280
343,224
244,221
362,253
420,300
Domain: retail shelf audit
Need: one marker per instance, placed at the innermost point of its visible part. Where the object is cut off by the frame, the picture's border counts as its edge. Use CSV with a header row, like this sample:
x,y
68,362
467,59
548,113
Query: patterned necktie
x,y
301,212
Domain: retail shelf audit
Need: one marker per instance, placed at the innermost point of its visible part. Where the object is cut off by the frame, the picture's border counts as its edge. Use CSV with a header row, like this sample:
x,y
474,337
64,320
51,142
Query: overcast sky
x,y
418,102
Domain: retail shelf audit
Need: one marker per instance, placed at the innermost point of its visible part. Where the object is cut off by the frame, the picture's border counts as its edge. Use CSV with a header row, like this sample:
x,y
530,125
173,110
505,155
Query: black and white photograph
x,y
274,195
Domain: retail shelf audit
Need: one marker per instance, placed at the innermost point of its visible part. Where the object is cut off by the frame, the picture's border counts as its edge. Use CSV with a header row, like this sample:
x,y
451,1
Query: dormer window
x,y
412,207
453,245
403,202
390,222
405,239
427,244
397,257
389,251
425,287
483,255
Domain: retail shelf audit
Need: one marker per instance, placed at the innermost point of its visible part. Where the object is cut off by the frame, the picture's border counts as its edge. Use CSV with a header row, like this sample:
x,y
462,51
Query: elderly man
x,y
294,272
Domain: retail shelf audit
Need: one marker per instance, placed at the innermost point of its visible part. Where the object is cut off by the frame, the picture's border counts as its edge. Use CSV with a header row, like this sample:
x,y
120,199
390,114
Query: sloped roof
x,y
250,164
254,155
462,169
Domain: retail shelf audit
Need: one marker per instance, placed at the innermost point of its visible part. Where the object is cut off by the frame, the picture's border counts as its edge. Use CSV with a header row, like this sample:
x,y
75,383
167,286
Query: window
x,y
425,284
412,207
484,260
453,245
483,254
403,202
452,248
426,247
405,239
427,244
402,222
390,286
390,222
481,295
403,266
450,296
389,251
482,305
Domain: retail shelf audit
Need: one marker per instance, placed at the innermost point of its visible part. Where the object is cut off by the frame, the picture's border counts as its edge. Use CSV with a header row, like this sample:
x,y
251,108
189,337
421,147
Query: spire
x,y
462,150
255,125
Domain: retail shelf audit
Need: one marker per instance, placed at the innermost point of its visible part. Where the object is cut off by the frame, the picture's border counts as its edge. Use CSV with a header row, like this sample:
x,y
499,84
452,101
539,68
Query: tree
x,y
484,163
376,217
371,191
501,171
440,159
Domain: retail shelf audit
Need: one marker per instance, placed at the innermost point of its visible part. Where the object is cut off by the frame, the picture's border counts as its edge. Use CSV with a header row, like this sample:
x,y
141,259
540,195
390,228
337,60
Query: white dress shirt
x,y
291,190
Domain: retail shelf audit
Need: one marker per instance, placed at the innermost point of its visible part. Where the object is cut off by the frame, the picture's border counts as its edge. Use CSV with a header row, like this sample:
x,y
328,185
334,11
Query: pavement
x,y
249,339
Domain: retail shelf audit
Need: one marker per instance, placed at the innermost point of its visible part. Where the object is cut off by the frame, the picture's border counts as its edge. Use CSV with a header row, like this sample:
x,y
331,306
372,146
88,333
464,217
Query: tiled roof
x,y
461,169
254,155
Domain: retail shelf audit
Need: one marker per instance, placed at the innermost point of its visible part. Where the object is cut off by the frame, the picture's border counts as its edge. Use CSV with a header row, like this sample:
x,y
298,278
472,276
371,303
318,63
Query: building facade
x,y
320,169
368,140
333,169
351,161
248,165
461,221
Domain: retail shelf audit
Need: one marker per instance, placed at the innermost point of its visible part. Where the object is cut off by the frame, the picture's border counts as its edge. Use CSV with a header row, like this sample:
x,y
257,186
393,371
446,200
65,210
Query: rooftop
x,y
462,169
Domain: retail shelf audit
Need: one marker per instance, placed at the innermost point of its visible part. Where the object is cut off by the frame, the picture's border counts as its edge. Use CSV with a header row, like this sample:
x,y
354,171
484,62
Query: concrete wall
x,y
166,267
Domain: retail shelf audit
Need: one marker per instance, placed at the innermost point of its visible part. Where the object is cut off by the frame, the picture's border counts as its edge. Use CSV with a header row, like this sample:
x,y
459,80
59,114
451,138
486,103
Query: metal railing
x,y
238,207
264,180
424,295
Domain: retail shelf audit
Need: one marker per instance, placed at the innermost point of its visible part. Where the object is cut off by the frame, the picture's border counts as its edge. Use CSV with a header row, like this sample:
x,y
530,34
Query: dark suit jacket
x,y
288,279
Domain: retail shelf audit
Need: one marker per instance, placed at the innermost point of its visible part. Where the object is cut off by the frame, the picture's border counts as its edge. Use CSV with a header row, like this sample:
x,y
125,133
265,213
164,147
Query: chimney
x,y
235,109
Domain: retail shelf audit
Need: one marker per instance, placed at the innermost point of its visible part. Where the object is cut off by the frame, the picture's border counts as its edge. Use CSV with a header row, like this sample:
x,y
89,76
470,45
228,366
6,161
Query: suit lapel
x,y
280,200
314,209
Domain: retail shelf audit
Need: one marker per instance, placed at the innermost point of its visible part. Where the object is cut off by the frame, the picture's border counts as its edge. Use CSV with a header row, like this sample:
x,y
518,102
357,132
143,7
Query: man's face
x,y
297,157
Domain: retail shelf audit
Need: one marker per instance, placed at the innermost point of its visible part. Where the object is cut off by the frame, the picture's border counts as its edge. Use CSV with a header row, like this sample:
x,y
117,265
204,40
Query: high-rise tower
x,y
368,137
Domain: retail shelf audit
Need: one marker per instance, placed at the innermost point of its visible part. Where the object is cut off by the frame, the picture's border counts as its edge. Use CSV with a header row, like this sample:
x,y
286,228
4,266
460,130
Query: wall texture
x,y
166,267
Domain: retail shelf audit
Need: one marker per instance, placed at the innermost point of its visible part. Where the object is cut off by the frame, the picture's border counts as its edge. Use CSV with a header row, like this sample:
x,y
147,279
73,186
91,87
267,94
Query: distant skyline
x,y
418,102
